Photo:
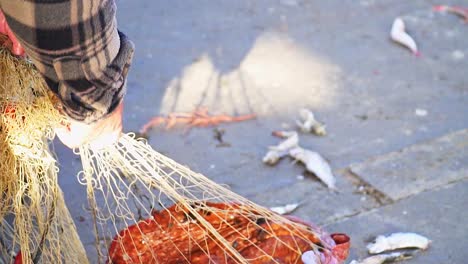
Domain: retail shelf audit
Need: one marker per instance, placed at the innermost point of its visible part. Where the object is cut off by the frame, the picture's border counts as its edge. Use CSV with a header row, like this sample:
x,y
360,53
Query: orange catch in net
x,y
174,236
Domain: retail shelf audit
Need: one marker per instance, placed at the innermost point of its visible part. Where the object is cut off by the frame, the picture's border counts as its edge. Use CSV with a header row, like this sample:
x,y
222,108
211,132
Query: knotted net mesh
x,y
181,216
33,217
146,208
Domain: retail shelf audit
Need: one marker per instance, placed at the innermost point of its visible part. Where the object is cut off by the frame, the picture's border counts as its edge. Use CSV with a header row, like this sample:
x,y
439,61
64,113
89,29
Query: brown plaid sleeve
x,y
76,46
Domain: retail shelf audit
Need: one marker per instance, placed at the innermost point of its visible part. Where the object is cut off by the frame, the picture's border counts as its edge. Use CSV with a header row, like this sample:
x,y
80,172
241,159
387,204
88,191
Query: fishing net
x,y
146,208
33,215
170,214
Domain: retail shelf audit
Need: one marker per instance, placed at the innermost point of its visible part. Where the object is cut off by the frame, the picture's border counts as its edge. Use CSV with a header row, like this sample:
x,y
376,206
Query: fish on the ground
x,y
399,35
383,258
308,124
315,164
398,241
275,153
286,209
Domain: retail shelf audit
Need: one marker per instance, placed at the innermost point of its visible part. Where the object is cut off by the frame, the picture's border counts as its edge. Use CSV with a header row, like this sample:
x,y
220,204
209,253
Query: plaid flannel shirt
x,y
77,48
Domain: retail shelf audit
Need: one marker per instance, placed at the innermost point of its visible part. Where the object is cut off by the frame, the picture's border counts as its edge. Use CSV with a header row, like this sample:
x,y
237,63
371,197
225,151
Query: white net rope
x,y
176,215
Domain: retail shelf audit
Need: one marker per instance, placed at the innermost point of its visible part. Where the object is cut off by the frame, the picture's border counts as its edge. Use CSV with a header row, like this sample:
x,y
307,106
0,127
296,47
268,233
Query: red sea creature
x,y
174,235
198,118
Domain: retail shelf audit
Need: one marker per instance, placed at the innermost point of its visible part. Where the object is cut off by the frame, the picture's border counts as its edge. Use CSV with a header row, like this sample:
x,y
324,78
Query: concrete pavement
x,y
397,169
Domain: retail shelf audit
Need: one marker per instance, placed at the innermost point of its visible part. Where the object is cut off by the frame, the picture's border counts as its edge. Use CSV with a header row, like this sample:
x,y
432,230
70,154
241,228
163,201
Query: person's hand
x,y
98,134
16,47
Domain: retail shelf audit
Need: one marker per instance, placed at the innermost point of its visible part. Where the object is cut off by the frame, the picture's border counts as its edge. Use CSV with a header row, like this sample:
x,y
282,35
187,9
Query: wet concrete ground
x,y
397,169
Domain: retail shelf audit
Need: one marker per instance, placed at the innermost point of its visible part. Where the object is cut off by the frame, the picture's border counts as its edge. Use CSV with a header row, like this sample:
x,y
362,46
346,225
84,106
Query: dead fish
x,y
316,164
308,123
273,156
383,258
289,208
398,241
399,35
277,152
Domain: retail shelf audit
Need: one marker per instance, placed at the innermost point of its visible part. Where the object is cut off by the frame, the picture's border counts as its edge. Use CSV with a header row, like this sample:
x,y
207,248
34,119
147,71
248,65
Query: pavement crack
x,y
341,218
367,189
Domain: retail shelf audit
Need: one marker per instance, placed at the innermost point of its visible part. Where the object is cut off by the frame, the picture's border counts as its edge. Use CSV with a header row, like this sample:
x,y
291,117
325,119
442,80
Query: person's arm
x,y
80,53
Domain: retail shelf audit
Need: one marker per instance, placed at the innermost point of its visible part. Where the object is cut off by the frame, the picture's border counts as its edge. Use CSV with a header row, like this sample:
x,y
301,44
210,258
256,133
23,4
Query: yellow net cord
x,y
33,217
